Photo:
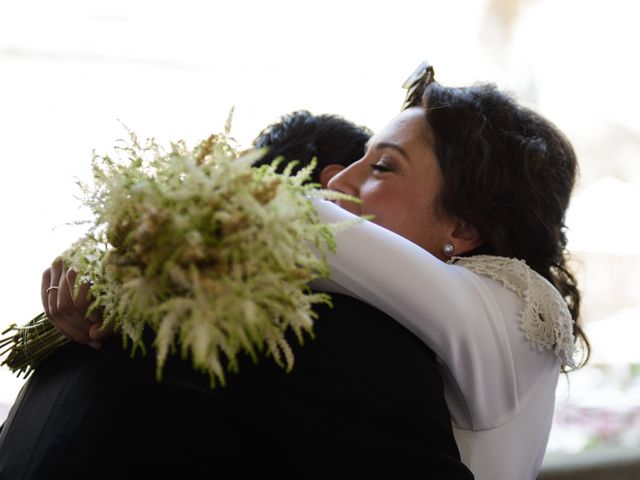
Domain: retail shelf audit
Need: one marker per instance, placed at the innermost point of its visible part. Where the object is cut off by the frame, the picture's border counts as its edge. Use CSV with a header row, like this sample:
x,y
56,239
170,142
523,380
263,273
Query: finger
x,y
64,295
52,291
82,299
61,307
46,283
56,270
99,332
74,324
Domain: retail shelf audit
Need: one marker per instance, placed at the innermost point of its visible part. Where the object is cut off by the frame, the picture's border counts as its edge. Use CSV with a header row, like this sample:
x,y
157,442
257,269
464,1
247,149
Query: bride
x,y
468,191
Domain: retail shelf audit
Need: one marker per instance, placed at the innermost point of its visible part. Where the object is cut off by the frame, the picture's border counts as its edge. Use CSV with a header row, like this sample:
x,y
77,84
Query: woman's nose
x,y
345,181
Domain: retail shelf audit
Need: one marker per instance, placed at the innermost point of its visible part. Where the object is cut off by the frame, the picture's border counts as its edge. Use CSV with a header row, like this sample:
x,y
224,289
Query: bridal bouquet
x,y
210,254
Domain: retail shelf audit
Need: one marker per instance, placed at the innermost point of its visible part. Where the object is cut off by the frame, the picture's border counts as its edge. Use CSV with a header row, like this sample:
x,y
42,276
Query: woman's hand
x,y
68,313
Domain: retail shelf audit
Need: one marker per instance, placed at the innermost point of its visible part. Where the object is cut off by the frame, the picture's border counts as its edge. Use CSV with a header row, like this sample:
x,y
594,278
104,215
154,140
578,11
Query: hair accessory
x,y
52,288
447,249
417,83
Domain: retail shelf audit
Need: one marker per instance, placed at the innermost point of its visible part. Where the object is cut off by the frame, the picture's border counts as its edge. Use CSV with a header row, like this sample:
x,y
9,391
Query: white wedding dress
x,y
500,331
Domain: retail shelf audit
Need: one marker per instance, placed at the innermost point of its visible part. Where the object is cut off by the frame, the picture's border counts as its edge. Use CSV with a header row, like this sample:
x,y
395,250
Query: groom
x,y
364,400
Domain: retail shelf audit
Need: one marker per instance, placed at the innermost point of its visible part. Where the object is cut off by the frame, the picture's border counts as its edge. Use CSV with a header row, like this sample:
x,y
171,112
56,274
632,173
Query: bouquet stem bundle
x,y
28,345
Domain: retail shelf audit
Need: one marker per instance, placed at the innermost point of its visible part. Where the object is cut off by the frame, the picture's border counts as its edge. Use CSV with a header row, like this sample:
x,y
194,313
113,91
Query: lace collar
x,y
546,320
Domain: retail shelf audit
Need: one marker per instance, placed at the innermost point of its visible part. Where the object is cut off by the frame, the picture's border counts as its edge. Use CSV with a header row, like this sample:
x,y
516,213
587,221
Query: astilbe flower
x,y
214,257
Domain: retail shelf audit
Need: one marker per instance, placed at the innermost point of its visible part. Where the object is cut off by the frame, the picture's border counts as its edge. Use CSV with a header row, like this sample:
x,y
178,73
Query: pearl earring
x,y
447,249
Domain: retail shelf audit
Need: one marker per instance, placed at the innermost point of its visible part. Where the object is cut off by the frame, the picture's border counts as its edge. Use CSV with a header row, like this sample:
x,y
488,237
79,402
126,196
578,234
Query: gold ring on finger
x,y
50,289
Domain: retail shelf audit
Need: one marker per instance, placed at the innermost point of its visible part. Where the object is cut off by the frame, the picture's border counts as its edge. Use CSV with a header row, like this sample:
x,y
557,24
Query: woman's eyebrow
x,y
392,146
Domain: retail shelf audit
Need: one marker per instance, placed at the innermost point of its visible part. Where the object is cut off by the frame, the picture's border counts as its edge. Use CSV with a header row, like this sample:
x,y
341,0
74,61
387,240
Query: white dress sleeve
x,y
459,314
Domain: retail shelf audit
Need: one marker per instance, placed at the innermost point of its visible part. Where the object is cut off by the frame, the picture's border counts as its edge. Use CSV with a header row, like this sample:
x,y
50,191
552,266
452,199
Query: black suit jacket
x,y
364,400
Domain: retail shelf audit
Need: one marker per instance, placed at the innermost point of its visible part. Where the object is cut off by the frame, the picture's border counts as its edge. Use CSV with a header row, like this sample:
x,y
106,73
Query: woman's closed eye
x,y
381,166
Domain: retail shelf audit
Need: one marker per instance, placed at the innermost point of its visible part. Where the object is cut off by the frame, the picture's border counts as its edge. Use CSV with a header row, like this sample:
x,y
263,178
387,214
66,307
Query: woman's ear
x,y
465,237
328,172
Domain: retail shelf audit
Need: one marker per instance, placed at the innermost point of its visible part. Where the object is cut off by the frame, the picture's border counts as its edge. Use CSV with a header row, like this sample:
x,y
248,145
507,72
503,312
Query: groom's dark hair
x,y
302,136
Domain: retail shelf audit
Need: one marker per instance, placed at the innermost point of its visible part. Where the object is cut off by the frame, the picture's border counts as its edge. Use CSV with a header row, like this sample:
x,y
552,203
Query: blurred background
x,y
71,71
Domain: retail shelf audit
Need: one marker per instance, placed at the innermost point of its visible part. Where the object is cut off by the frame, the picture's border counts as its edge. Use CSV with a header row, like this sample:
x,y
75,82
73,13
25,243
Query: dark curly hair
x,y
302,136
509,172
